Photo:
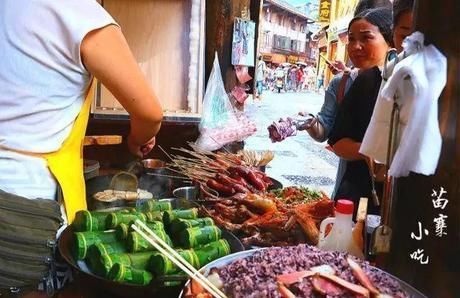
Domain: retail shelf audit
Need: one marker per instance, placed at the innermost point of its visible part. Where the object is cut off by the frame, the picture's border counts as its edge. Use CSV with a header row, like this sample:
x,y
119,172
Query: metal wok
x,y
157,287
159,186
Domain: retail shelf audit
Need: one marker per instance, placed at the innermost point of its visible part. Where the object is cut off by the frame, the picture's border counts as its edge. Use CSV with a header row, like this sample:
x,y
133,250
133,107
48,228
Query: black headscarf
x,y
369,4
381,17
400,7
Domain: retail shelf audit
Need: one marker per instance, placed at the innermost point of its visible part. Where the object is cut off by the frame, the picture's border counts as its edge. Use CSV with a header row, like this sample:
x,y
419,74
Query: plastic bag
x,y
220,123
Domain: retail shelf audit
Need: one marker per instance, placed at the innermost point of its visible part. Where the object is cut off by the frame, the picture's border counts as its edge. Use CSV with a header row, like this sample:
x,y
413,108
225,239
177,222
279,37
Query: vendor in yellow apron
x,y
66,164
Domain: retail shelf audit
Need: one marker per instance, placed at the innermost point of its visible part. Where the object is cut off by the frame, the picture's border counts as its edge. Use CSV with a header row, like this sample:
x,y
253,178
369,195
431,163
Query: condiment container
x,y
340,237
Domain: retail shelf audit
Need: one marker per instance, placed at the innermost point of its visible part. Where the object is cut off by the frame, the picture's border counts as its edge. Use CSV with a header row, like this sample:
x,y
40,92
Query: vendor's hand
x,y
140,150
377,169
309,123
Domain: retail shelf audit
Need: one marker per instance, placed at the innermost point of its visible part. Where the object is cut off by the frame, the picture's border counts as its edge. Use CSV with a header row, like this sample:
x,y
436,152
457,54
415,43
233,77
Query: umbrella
x,y
302,64
286,64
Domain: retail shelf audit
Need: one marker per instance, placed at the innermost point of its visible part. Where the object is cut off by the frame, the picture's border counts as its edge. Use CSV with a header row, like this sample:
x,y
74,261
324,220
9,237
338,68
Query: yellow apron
x,y
66,164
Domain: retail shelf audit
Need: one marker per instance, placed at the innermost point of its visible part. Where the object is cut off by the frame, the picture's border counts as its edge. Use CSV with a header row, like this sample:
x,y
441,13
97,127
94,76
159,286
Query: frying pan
x,y
157,286
159,186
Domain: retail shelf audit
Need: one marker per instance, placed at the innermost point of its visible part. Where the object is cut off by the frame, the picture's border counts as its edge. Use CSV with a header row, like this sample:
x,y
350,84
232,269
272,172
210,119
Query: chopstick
x,y
177,259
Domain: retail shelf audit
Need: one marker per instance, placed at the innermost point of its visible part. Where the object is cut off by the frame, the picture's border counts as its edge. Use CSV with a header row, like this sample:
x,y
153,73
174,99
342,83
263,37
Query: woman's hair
x,y
380,17
400,7
369,4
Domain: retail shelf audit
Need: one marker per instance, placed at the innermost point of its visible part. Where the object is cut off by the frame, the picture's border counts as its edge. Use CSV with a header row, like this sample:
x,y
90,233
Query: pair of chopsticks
x,y
177,259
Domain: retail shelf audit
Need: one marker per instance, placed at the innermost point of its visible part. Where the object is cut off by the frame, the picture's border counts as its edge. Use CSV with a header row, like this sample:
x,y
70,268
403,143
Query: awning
x,y
273,58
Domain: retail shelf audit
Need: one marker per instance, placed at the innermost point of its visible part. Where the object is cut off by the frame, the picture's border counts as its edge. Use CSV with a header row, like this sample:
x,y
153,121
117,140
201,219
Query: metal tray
x,y
156,287
412,292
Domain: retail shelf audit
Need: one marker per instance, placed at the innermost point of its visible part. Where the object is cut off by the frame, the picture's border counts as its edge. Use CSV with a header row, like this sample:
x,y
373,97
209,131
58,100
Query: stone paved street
x,y
299,160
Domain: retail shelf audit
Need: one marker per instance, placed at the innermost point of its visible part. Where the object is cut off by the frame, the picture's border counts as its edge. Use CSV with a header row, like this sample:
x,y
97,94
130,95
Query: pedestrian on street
x,y
320,80
260,77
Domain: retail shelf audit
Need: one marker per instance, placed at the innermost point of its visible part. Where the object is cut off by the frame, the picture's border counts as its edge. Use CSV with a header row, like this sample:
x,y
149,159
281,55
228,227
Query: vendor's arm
x,y
106,55
348,149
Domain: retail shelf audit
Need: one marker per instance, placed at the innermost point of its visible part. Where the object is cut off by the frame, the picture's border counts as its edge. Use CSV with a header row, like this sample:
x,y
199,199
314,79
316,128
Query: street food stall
x,y
199,223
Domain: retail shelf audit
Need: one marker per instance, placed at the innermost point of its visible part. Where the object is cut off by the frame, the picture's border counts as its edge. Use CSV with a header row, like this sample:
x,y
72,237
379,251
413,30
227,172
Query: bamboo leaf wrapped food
x,y
98,250
154,205
212,251
160,265
83,240
123,230
114,219
154,215
180,224
169,216
91,220
136,243
138,261
123,273
194,237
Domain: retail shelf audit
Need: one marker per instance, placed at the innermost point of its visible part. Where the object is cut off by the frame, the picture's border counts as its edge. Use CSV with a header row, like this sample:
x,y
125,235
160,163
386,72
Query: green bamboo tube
x,y
97,251
136,243
137,261
83,240
160,265
154,216
126,274
212,251
169,216
114,219
89,221
194,237
154,205
180,224
123,230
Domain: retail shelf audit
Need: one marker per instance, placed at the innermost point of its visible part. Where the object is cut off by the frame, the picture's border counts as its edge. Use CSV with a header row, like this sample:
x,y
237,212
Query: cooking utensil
x,y
412,292
381,238
158,287
124,181
102,140
186,193
174,257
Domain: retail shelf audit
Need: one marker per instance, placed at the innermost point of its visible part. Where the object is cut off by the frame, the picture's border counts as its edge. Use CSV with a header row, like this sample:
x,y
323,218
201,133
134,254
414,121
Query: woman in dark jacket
x,y
370,36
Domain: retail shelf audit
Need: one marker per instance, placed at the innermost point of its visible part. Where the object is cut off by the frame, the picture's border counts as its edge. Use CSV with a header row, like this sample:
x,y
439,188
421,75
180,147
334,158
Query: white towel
x,y
416,84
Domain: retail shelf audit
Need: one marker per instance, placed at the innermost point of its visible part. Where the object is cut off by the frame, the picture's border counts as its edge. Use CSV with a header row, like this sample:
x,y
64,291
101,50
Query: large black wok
x,y
156,288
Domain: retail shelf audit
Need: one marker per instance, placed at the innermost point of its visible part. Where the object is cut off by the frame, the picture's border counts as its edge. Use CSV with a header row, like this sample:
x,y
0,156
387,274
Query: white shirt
x,y
43,84
415,84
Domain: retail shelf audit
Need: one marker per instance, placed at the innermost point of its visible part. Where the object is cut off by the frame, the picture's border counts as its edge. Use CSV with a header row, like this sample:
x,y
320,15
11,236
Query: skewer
x,y
180,262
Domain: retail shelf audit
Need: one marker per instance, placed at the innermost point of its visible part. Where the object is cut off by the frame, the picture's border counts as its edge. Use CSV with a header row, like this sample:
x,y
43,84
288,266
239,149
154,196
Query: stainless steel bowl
x,y
152,164
186,193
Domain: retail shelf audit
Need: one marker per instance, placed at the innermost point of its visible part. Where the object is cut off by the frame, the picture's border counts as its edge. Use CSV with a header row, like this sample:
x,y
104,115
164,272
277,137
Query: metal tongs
x,y
381,238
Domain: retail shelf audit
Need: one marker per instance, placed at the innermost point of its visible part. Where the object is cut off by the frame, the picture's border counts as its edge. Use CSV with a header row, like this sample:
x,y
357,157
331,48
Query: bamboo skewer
x,y
178,260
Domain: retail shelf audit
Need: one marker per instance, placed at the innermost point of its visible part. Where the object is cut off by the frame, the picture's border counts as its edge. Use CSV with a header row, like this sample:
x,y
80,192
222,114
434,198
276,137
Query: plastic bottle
x,y
340,237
